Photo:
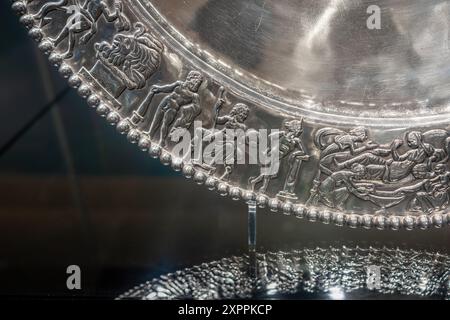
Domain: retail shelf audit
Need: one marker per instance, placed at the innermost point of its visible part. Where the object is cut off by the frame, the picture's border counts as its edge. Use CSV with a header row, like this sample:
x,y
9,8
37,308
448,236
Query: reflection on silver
x,y
330,273
362,113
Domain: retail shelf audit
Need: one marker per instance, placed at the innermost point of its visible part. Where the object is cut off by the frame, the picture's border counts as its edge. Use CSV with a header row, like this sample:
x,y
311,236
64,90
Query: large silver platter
x,y
359,94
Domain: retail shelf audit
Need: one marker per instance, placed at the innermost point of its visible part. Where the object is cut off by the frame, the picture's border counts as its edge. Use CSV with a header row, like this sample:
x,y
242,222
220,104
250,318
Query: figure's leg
x,y
428,203
313,199
315,187
265,184
340,196
414,205
197,143
254,181
364,159
445,201
377,172
226,174
229,160
92,27
60,37
423,202
70,46
169,117
156,121
47,8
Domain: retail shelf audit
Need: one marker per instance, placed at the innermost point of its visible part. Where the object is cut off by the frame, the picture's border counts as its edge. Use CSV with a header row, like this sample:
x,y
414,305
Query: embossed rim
x,y
313,214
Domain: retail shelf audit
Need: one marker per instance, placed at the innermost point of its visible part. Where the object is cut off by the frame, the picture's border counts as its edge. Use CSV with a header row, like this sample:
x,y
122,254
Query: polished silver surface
x,y
333,273
320,54
357,91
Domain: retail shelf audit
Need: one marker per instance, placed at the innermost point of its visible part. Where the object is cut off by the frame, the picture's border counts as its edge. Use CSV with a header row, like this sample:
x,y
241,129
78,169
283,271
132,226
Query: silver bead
x,y
199,177
144,143
84,91
299,211
166,158
261,200
103,110
74,81
177,164
154,151
36,35
380,222
19,8
113,118
312,215
55,59
366,221
249,196
65,70
408,223
274,204
27,21
134,136
211,183
188,171
287,208
394,223
325,217
438,220
222,188
123,127
93,101
235,193
422,222
339,219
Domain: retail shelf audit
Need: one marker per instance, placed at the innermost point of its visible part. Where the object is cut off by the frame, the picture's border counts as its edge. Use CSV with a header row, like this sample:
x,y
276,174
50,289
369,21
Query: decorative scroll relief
x,y
323,173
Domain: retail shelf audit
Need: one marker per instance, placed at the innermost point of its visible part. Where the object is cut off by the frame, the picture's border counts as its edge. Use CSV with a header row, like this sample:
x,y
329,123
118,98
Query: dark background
x,y
73,191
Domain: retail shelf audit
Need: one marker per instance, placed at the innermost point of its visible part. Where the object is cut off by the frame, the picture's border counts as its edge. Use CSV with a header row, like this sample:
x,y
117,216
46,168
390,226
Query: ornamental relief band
x,y
135,79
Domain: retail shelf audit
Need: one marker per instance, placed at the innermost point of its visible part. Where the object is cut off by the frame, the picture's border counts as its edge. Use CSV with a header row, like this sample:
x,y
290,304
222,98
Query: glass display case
x,y
357,207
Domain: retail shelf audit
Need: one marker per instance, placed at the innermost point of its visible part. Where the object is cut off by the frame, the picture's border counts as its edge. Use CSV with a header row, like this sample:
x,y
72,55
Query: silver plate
x,y
359,95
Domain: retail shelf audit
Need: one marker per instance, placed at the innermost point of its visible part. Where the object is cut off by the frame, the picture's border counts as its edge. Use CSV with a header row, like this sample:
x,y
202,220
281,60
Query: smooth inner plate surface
x,y
320,54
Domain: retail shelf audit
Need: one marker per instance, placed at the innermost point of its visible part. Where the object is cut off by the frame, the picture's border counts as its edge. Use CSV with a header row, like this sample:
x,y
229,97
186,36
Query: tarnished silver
x,y
330,273
362,111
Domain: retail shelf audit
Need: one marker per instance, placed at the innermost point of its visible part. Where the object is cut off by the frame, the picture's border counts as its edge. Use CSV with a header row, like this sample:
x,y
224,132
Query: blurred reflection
x,y
327,273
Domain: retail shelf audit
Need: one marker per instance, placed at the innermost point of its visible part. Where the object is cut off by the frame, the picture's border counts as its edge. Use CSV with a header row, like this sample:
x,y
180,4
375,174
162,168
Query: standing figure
x,y
234,120
290,146
178,108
